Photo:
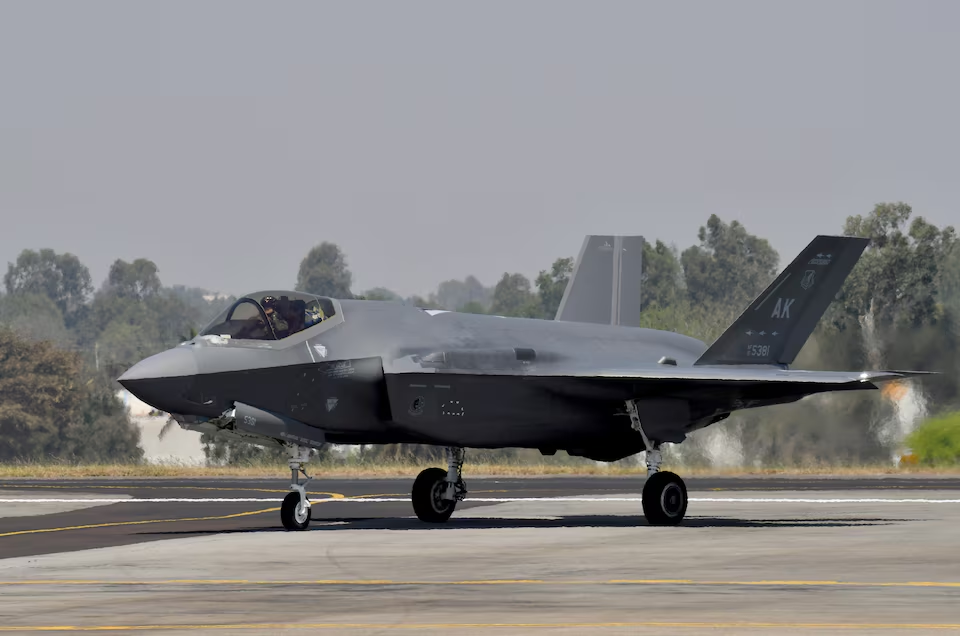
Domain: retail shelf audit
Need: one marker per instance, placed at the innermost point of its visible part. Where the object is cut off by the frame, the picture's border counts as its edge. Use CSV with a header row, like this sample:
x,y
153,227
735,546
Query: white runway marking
x,y
805,500
692,499
494,500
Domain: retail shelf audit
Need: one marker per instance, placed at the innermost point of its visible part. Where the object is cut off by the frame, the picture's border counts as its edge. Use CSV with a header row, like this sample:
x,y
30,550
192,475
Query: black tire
x,y
664,499
292,516
427,490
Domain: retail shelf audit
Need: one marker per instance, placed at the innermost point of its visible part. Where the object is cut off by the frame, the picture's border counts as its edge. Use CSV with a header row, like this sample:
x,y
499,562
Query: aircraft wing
x,y
729,374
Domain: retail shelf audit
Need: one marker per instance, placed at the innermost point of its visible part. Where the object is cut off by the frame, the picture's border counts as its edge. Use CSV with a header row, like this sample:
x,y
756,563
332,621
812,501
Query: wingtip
x,y
889,375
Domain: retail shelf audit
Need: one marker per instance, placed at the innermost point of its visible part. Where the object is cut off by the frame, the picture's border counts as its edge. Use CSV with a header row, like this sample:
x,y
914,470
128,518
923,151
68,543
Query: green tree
x,y
35,317
729,267
204,304
551,285
703,322
323,271
452,294
423,303
897,279
60,277
133,316
662,281
51,405
126,330
105,433
380,293
137,280
512,296
472,307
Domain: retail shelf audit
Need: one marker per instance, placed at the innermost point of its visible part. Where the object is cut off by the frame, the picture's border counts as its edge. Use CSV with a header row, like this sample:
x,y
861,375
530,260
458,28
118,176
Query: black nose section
x,y
164,381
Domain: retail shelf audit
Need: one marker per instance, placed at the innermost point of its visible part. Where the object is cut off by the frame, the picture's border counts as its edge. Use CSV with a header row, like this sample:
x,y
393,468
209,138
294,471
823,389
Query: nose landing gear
x,y
295,509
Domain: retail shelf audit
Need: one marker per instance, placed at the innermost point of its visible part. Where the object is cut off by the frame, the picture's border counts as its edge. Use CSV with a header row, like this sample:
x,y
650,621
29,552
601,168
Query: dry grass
x,y
59,470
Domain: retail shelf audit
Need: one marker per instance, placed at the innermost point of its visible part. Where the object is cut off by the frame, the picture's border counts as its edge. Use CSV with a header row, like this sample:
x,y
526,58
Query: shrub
x,y
937,441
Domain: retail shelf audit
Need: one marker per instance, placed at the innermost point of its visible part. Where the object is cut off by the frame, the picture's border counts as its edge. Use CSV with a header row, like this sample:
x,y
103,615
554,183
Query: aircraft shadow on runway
x,y
574,521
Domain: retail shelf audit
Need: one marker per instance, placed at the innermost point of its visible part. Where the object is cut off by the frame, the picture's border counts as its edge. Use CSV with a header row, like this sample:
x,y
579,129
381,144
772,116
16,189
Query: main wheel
x,y
664,499
427,496
293,514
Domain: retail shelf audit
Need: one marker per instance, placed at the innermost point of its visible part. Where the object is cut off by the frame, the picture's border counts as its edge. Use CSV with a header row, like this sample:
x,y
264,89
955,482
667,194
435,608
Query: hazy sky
x,y
435,140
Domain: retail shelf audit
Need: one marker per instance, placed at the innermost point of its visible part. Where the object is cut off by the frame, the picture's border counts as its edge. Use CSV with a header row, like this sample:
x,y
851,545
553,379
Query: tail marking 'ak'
x,y
777,324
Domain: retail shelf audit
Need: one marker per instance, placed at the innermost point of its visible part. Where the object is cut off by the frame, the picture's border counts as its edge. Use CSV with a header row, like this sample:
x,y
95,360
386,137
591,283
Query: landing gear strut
x,y
295,509
664,493
436,491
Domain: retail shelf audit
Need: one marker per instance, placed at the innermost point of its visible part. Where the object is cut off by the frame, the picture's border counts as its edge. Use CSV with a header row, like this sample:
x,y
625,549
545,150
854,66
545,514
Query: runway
x,y
568,555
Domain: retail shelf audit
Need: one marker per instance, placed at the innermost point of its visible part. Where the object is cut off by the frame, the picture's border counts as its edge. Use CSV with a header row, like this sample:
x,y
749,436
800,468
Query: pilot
x,y
280,326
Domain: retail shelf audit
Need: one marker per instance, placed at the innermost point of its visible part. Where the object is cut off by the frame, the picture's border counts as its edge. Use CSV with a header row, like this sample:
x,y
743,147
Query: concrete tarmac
x,y
564,555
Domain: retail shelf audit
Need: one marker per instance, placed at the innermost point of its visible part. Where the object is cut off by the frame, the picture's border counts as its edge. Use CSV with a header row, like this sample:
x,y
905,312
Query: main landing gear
x,y
436,491
295,509
664,493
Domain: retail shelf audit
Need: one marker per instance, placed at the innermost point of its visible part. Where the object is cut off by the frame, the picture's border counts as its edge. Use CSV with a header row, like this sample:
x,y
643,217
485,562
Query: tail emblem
x,y
809,277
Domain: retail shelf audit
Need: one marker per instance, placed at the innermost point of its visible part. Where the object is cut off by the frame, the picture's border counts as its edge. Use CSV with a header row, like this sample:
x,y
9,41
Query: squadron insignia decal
x,y
809,277
416,407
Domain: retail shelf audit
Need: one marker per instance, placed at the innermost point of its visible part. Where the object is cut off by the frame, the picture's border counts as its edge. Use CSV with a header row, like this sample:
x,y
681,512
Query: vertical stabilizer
x,y
776,325
605,285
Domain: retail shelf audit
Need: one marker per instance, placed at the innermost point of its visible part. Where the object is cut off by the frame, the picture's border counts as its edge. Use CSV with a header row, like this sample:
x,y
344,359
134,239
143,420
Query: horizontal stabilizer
x,y
777,324
605,285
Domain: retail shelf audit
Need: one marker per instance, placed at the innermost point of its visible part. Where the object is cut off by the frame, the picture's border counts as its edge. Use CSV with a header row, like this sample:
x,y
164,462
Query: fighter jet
x,y
284,367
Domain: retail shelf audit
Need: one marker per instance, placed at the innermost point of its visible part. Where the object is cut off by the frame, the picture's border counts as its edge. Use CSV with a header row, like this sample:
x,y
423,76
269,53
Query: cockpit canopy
x,y
270,315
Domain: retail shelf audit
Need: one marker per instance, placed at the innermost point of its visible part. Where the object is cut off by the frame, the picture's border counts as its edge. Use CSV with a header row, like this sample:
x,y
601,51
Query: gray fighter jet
x,y
281,367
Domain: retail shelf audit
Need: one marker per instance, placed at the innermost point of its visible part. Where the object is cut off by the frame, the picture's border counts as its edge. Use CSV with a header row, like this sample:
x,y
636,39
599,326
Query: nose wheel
x,y
293,513
295,509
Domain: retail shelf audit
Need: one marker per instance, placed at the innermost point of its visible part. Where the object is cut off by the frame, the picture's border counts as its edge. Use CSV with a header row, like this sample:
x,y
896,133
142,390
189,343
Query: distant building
x,y
177,445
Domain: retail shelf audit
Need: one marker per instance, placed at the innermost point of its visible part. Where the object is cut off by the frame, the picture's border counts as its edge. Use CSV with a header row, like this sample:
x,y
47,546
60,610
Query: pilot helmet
x,y
268,301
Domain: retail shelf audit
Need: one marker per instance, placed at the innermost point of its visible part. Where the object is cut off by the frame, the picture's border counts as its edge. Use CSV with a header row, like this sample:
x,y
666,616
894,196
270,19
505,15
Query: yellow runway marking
x,y
432,626
134,487
331,496
137,523
479,582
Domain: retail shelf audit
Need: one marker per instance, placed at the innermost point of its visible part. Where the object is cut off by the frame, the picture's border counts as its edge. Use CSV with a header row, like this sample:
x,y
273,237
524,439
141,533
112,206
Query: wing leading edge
x,y
738,374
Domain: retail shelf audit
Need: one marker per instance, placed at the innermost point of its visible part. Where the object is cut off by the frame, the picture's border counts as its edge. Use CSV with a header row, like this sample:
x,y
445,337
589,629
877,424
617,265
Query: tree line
x,y
63,342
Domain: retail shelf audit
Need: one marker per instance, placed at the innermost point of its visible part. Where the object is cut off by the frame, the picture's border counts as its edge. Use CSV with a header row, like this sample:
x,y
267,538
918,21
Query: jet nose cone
x,y
165,381
175,363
